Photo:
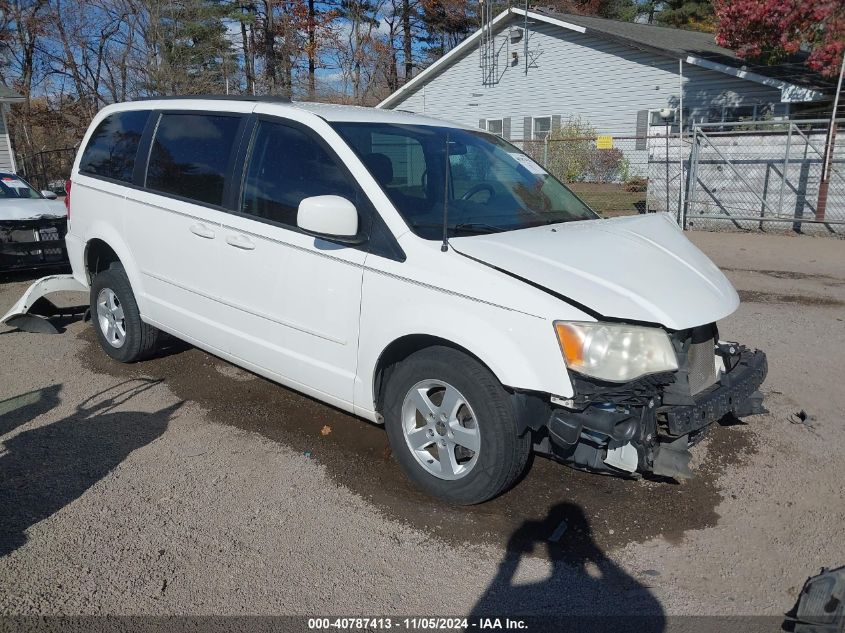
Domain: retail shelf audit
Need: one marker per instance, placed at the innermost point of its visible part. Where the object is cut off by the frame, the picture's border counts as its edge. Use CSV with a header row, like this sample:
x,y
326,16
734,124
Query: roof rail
x,y
267,98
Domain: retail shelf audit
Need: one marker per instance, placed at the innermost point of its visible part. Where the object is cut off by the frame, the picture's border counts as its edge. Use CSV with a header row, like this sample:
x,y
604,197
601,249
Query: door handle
x,y
201,230
240,241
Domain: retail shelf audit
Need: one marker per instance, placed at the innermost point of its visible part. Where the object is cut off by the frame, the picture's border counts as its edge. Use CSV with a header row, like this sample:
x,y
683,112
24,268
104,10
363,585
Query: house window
x,y
496,126
740,114
542,127
658,122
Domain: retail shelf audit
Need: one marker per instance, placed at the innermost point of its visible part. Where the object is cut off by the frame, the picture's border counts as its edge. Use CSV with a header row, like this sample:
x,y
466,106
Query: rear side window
x,y
190,155
286,165
112,147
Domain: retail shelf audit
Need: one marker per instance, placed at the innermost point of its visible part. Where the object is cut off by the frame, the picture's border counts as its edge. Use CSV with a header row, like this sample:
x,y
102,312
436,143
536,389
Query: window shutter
x,y
642,130
482,124
526,128
506,128
555,124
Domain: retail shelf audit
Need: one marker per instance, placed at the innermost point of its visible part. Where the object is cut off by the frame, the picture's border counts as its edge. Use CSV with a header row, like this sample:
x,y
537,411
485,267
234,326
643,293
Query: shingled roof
x,y
679,42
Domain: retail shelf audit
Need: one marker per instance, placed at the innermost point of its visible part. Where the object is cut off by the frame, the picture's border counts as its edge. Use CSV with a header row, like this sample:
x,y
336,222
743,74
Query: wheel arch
x,y
400,349
104,245
98,257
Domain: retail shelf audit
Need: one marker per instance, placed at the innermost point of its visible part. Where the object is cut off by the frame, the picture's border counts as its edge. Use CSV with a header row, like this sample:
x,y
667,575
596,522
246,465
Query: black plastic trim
x,y
19,255
727,396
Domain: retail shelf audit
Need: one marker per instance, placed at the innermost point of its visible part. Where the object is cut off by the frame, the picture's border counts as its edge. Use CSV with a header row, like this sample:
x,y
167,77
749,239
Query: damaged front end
x,y
34,243
647,425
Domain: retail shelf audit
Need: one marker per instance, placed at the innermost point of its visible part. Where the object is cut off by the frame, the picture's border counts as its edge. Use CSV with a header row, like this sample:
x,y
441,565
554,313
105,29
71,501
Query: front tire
x,y
117,322
451,427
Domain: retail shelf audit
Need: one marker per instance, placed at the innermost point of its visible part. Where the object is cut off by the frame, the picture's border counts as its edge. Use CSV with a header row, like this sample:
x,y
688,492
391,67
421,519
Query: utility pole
x,y
312,50
824,184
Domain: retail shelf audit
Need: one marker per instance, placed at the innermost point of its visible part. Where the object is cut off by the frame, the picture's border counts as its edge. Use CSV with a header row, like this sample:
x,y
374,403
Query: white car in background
x,y
32,226
410,271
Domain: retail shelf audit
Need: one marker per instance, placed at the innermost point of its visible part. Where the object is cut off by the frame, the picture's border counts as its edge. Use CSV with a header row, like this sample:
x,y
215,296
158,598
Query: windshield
x,y
16,187
486,186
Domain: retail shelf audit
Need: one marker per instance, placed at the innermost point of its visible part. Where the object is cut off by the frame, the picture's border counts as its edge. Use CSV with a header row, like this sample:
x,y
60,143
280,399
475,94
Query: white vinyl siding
x,y
6,161
605,83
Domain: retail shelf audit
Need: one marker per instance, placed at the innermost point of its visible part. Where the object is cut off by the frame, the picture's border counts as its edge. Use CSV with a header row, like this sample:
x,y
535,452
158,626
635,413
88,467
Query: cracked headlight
x,y
613,351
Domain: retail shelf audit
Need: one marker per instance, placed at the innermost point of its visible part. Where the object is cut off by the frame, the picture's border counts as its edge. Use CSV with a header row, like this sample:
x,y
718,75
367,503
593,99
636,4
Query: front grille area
x,y
701,365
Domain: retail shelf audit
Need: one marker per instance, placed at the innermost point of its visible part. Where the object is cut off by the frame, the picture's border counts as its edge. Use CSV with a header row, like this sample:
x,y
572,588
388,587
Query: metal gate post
x,y
785,167
692,176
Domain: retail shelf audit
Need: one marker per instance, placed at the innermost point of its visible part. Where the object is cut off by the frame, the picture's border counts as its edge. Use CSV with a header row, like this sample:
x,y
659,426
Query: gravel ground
x,y
185,485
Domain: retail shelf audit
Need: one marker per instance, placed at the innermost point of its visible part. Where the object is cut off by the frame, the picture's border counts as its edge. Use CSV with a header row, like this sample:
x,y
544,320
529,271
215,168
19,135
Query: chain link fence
x,y
731,175
619,175
766,174
48,169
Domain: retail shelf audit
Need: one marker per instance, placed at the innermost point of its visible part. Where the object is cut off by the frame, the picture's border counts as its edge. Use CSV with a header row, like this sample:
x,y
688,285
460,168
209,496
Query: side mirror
x,y
50,195
329,217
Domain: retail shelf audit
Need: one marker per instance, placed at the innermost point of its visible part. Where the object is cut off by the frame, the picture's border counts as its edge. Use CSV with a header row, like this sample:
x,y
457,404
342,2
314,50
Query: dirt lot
x,y
184,485
610,199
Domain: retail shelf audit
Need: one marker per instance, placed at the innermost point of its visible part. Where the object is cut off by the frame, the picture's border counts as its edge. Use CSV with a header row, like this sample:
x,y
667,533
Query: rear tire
x,y
117,322
441,404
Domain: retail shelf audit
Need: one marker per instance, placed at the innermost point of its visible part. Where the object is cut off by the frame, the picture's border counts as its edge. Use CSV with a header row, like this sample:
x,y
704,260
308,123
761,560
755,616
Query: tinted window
x,y
286,165
190,155
113,145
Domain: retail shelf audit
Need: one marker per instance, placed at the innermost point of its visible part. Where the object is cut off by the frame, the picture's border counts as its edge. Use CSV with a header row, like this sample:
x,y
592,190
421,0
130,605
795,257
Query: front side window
x,y
486,184
286,165
190,155
112,147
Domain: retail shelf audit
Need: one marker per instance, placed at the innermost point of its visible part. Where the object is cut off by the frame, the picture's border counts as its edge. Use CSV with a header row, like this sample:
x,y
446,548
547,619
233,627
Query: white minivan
x,y
413,272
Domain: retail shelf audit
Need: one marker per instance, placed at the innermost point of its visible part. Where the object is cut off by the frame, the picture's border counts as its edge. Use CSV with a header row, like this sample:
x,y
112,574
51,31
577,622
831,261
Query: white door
x,y
292,301
174,226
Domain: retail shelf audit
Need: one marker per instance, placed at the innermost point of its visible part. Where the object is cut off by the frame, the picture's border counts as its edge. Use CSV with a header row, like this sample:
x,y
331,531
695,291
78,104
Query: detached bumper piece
x,y
27,244
648,425
32,312
821,605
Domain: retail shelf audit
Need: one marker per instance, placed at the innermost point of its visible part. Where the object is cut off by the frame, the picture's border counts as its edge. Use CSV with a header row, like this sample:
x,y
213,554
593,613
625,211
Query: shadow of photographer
x,y
585,591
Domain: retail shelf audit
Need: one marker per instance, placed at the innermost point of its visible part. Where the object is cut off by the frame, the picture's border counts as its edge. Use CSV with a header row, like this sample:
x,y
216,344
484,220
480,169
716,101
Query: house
x,y
525,71
7,157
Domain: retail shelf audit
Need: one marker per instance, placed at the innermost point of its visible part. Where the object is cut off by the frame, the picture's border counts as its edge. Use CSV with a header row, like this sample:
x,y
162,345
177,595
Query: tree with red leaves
x,y
771,30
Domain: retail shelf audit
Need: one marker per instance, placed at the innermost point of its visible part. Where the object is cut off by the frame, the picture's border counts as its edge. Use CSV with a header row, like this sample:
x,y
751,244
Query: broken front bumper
x,y
734,393
622,429
28,244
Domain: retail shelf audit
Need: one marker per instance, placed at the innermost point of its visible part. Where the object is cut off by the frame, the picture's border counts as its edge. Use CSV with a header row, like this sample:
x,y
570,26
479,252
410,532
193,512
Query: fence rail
x,y
719,175
771,177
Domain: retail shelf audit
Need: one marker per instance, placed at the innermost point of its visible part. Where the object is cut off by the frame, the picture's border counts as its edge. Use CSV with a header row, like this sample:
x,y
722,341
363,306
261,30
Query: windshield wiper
x,y
477,226
550,222
463,227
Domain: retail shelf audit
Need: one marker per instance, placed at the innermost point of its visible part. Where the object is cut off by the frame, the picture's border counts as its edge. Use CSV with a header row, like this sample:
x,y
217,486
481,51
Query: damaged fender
x,y
31,312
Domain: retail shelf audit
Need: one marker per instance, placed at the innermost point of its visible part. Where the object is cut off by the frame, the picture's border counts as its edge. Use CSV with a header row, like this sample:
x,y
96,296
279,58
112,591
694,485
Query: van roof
x,y
327,111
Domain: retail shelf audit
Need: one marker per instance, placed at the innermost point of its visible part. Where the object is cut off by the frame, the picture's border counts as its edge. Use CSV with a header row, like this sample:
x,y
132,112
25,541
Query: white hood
x,y
638,268
31,209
